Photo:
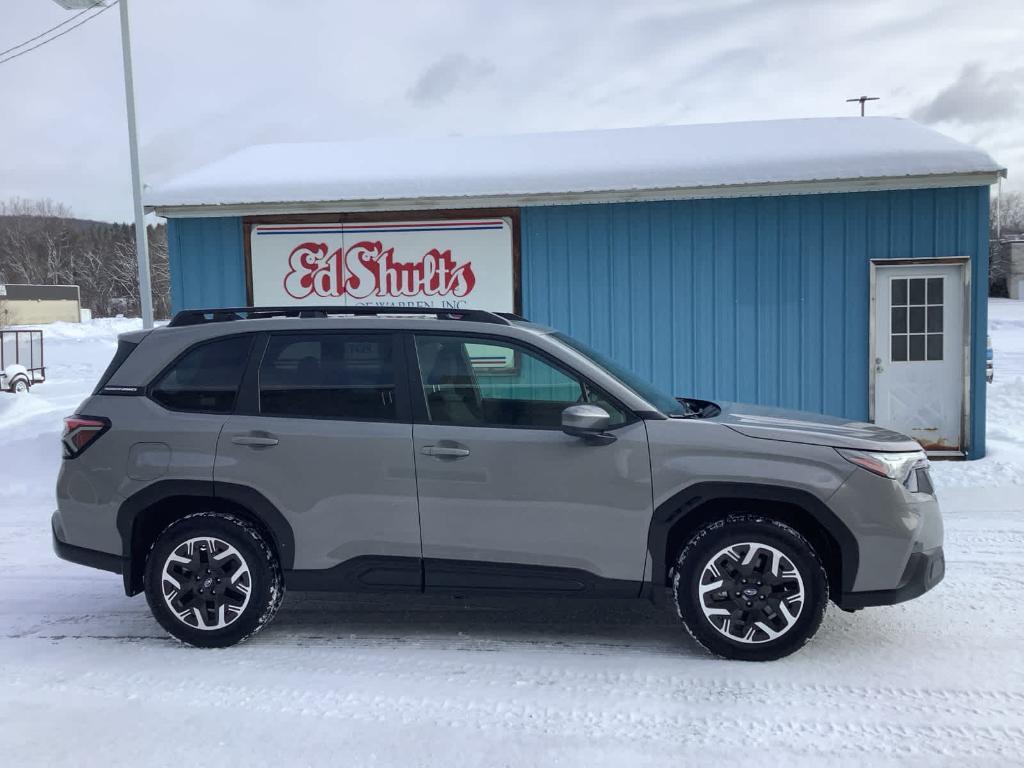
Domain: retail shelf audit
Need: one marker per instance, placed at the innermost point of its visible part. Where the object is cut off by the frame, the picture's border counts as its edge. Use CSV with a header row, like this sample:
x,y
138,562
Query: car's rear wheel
x,y
212,580
750,588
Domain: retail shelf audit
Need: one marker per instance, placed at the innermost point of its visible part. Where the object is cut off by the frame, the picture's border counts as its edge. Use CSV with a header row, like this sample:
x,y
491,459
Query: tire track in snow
x,y
812,731
338,671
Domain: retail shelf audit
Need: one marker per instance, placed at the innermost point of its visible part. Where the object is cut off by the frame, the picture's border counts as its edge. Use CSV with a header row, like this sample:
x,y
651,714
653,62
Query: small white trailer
x,y
21,359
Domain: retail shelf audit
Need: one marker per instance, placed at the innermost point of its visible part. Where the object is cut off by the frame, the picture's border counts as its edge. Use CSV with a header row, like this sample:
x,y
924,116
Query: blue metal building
x,y
837,266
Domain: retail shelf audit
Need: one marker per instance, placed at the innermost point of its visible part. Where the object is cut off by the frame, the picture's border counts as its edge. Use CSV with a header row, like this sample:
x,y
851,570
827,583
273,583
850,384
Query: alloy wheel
x,y
751,592
206,583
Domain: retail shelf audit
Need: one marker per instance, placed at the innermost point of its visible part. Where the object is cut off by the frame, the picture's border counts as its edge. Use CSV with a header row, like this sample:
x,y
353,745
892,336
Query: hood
x,y
811,428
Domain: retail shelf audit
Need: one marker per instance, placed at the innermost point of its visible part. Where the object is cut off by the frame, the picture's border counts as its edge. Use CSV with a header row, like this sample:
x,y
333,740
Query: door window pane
x,y
899,291
934,346
917,293
934,319
206,378
917,319
469,382
916,348
329,376
899,347
934,290
899,319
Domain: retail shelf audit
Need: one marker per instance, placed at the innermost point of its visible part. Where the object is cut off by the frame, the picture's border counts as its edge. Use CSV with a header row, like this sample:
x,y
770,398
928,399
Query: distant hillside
x,y
40,242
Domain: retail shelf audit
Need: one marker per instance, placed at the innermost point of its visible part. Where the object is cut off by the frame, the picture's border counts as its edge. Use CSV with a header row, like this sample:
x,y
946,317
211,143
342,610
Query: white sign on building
x,y
456,264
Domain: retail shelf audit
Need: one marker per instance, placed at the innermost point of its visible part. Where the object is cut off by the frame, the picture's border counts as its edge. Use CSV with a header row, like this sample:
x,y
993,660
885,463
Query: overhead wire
x,y
98,4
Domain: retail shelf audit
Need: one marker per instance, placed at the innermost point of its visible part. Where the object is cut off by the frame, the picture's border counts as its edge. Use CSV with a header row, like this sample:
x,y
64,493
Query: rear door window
x,y
329,376
206,378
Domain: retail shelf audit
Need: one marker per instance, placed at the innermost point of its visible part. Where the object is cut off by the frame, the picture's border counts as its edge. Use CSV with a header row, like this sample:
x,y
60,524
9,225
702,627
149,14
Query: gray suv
x,y
238,452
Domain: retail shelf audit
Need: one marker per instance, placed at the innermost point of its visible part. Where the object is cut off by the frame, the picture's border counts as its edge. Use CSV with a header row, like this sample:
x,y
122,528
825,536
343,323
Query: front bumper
x,y
924,570
90,557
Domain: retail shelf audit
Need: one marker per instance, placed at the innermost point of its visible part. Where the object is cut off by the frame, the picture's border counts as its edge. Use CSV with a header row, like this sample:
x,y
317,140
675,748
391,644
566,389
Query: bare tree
x,y
1009,213
41,243
46,208
160,273
1005,222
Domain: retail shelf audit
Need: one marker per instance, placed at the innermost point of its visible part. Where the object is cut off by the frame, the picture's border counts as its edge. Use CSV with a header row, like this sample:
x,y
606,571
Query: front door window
x,y
470,382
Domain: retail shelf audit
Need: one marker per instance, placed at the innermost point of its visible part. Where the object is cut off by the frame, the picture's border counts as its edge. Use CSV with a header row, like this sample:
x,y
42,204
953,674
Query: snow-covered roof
x,y
765,157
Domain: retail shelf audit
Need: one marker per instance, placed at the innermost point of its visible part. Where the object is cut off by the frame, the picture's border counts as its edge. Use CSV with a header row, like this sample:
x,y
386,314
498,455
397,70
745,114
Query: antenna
x,y
862,99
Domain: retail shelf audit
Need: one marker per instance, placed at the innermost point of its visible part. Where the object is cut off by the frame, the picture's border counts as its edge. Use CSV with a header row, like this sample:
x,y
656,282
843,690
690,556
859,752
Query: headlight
x,y
895,466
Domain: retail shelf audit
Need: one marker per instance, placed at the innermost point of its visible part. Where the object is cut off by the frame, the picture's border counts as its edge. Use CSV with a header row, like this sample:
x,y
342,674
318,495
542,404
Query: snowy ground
x,y
86,676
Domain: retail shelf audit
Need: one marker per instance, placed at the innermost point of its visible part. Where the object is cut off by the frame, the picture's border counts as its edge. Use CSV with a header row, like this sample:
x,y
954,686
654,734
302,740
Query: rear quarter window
x,y
124,350
206,378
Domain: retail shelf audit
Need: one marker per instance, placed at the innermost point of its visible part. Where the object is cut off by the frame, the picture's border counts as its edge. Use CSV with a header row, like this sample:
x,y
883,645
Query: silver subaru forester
x,y
237,452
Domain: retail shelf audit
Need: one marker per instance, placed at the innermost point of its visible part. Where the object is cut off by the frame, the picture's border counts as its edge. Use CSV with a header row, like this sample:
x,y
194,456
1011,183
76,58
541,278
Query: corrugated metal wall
x,y
207,262
760,300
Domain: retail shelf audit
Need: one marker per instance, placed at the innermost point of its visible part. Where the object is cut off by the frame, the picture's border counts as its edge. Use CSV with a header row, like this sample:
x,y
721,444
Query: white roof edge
x,y
652,163
772,189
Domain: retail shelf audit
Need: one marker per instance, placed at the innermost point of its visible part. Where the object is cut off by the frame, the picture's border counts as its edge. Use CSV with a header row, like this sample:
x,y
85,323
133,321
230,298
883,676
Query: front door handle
x,y
254,441
445,451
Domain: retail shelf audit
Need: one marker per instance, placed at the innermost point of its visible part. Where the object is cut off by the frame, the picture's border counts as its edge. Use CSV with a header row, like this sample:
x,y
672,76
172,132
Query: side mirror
x,y
588,422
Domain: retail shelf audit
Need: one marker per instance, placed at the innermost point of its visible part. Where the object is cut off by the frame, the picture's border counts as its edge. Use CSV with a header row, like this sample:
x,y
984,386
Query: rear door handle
x,y
445,451
254,441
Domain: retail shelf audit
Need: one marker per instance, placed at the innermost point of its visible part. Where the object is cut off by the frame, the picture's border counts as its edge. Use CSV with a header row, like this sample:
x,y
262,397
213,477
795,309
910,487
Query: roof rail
x,y
225,314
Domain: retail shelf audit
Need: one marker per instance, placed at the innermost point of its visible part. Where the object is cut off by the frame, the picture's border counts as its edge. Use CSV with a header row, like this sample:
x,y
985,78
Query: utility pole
x,y
141,241
862,99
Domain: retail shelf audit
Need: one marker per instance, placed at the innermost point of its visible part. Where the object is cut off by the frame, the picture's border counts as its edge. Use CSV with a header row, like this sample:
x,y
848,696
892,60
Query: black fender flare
x,y
685,502
255,503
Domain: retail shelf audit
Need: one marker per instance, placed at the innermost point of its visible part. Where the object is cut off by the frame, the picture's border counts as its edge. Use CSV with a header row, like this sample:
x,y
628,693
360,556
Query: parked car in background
x,y
21,359
238,452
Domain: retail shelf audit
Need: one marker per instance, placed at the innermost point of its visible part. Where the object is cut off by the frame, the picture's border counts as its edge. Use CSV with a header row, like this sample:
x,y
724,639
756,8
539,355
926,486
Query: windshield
x,y
663,401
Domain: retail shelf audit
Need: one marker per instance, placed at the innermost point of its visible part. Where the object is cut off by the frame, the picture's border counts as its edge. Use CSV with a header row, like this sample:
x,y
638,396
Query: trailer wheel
x,y
19,384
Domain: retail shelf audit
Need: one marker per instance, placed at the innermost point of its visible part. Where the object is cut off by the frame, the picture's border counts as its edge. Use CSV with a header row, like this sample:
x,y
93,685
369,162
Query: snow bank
x,y
664,157
101,327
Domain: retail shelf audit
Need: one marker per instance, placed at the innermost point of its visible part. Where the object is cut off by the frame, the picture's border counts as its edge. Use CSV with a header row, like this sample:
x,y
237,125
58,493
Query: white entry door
x,y
919,352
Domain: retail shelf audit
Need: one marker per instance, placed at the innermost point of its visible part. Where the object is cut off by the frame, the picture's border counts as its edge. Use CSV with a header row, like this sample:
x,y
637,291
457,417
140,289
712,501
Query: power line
x,y
60,34
51,29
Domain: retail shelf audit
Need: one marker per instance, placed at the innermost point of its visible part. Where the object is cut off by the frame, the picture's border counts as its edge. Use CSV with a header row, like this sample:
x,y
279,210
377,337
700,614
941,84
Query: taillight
x,y
80,432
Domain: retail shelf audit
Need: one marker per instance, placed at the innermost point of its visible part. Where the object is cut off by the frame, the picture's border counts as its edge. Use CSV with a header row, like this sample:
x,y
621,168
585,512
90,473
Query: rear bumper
x,y
924,570
90,557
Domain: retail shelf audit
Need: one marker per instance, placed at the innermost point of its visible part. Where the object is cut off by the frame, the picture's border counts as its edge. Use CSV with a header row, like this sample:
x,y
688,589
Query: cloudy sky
x,y
214,76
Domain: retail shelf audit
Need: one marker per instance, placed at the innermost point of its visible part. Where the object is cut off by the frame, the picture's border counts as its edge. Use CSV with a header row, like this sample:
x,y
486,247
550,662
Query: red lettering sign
x,y
367,270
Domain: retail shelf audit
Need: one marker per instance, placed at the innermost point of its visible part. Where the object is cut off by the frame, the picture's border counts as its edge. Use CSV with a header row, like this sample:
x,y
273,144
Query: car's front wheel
x,y
750,588
212,580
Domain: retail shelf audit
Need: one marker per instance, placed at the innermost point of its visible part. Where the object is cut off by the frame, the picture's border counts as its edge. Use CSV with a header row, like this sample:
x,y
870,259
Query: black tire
x,y
20,383
244,549
746,632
